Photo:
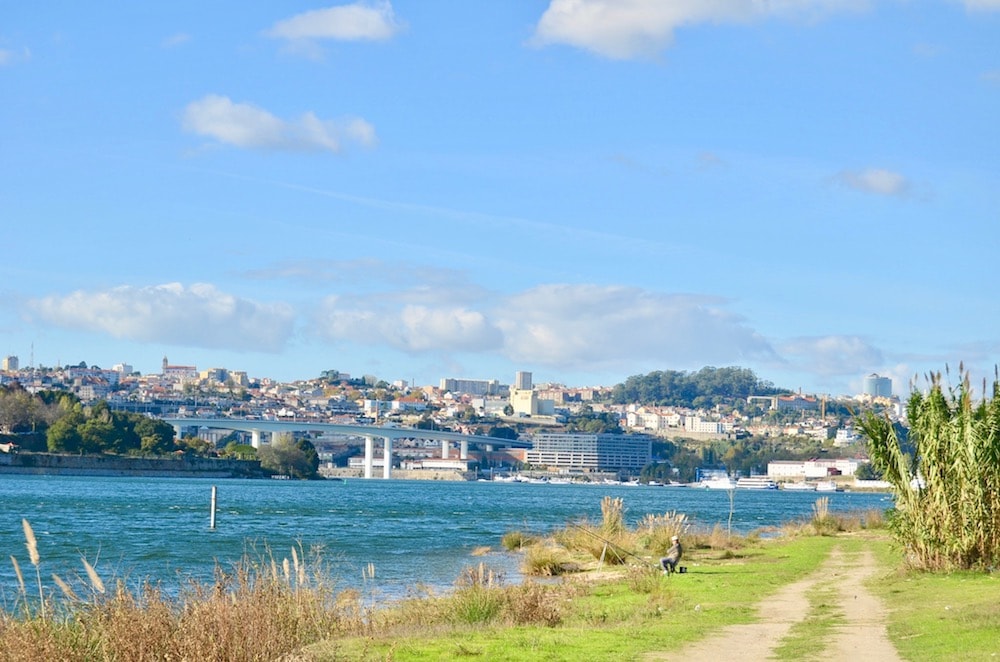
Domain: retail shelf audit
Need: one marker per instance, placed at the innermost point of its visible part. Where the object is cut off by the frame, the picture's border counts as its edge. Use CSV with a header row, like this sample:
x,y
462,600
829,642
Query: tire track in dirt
x,y
860,637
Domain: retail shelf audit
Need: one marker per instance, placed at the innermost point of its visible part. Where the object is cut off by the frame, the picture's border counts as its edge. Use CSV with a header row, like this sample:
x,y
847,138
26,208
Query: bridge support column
x,y
463,450
369,455
387,468
255,438
177,431
445,449
489,448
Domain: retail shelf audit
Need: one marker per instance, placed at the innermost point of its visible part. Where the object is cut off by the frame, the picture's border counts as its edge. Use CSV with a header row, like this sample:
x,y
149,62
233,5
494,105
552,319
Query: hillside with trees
x,y
705,388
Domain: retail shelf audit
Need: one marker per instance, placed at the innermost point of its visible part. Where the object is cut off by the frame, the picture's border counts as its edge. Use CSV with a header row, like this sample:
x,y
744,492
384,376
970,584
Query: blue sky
x,y
585,189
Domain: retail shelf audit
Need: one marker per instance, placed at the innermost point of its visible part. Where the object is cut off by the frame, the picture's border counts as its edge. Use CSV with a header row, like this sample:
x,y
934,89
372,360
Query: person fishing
x,y
673,557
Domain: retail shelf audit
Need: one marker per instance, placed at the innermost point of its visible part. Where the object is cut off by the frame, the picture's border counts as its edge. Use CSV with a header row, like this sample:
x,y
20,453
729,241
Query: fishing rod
x,y
613,544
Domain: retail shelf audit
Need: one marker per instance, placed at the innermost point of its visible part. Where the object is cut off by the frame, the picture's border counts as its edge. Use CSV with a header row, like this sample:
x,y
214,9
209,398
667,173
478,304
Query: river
x,y
412,532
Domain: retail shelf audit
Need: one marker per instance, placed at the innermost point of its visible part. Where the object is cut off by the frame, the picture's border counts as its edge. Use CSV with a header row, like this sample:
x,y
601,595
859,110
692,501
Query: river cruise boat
x,y
756,483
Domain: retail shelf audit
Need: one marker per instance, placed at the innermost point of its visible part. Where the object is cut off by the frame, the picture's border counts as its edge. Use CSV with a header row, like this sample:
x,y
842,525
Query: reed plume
x,y
95,580
32,544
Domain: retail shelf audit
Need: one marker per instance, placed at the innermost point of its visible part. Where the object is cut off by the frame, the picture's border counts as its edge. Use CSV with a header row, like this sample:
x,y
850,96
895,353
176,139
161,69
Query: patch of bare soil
x,y
861,635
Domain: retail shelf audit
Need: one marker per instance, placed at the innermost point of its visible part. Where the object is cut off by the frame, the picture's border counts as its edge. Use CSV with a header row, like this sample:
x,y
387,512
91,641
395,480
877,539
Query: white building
x,y
813,468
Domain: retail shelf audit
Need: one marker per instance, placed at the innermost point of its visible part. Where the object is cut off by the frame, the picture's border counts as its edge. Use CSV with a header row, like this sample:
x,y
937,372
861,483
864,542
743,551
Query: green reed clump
x,y
482,598
514,541
946,475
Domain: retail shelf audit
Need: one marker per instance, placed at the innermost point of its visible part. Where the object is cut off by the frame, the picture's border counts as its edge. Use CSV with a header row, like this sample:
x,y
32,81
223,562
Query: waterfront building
x,y
590,452
813,468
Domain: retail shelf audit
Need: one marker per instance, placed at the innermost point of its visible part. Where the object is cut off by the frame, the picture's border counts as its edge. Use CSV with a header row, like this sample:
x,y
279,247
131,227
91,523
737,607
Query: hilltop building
x,y
524,400
877,386
471,386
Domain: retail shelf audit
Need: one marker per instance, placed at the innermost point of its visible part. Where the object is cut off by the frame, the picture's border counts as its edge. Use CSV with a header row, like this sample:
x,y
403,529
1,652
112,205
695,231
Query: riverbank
x,y
51,464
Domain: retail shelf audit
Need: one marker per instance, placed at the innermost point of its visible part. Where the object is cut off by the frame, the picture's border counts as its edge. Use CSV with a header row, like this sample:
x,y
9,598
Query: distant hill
x,y
705,388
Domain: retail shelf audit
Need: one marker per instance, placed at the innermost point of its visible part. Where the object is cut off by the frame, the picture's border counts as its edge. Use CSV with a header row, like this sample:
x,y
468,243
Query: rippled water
x,y
414,532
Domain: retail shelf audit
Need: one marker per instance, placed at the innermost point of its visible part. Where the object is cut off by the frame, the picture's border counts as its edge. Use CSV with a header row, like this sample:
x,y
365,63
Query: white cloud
x,y
410,328
196,316
246,125
562,326
575,326
623,29
834,355
874,180
372,21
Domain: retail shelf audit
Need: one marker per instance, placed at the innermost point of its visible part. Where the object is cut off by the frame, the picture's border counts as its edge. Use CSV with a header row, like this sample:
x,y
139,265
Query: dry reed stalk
x,y
32,544
65,588
95,580
20,577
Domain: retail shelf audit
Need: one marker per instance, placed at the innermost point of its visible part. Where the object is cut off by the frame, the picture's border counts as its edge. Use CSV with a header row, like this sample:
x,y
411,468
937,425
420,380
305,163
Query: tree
x,y
62,436
156,437
237,451
285,456
502,432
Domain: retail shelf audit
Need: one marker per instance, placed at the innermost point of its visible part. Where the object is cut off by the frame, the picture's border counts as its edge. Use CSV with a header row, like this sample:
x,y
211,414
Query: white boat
x,y
725,483
826,486
799,485
756,483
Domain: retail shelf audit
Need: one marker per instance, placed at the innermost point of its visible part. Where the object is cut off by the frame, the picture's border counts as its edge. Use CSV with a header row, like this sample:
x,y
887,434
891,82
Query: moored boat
x,y
756,483
718,483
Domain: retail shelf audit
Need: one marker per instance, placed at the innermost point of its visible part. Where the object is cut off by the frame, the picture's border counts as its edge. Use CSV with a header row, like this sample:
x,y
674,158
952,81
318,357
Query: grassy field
x,y
609,619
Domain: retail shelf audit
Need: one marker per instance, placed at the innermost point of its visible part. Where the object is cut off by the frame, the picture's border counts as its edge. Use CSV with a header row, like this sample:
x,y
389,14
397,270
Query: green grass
x,y
942,616
611,620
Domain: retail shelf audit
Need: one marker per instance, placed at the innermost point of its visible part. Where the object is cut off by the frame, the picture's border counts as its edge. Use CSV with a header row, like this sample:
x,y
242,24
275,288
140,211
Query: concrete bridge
x,y
369,432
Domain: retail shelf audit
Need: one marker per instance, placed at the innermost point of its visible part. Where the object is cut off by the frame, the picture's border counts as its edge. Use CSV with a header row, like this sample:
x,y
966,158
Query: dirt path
x,y
859,636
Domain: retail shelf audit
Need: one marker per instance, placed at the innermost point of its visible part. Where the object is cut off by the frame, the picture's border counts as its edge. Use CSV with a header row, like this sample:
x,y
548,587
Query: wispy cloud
x,y
248,126
360,21
982,5
175,40
874,180
9,57
195,316
624,29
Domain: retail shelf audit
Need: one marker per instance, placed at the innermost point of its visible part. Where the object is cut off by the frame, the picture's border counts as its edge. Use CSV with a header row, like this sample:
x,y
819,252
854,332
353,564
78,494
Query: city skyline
x,y
583,190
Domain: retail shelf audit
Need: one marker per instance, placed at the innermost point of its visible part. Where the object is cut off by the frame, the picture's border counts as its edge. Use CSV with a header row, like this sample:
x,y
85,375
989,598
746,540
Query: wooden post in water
x,y
211,524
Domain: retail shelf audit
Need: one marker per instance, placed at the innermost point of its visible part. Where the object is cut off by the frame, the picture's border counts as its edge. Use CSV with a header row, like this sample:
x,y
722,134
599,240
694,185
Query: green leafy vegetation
x,y
705,388
295,458
947,514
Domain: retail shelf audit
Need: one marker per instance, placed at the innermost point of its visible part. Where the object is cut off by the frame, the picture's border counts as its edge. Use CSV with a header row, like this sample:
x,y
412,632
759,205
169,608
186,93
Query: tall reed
x,y
947,483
